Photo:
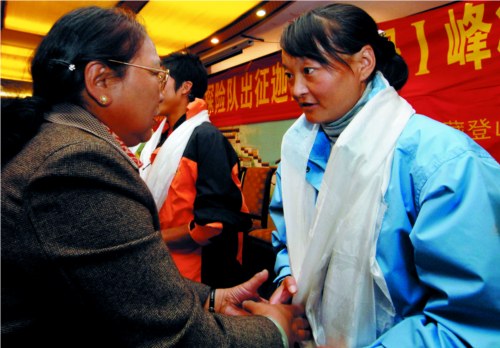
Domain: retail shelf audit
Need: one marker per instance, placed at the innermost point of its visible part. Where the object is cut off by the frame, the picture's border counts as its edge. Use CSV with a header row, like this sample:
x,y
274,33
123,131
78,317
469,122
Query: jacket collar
x,y
75,116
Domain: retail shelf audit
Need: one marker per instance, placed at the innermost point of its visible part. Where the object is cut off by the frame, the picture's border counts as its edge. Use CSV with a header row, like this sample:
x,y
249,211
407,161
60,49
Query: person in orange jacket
x,y
195,181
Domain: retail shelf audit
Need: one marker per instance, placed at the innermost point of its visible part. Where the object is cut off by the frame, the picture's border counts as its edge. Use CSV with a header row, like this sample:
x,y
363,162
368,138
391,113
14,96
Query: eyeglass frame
x,y
162,78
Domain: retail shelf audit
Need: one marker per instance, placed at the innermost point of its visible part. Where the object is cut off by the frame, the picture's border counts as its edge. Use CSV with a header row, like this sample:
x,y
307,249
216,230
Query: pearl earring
x,y
103,100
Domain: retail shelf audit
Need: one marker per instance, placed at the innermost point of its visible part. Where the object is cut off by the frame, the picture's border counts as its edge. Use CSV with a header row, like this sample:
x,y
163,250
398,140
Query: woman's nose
x,y
162,95
298,87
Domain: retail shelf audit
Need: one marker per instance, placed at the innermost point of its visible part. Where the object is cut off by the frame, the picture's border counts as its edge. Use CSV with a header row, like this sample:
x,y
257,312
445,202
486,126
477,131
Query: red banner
x,y
251,93
453,54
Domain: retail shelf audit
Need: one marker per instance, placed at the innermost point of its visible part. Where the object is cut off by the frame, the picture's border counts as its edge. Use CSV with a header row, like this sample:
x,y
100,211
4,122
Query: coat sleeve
x,y
282,265
96,223
219,200
456,251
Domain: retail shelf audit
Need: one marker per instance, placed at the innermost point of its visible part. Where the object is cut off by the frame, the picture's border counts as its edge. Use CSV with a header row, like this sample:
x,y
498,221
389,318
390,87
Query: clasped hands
x,y
244,299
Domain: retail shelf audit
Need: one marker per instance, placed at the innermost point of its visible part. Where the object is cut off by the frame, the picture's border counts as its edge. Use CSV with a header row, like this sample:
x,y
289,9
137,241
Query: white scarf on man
x,y
167,161
332,243
149,148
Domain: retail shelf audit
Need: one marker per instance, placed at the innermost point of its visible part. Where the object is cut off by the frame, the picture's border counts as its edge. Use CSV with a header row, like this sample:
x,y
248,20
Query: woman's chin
x,y
310,117
147,135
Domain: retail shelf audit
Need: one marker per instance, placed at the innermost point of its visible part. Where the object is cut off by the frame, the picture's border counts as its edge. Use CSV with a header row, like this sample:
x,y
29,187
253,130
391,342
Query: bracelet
x,y
211,303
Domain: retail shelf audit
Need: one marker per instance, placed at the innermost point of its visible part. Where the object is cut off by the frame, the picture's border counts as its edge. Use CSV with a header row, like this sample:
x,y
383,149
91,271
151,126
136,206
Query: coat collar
x,y
75,116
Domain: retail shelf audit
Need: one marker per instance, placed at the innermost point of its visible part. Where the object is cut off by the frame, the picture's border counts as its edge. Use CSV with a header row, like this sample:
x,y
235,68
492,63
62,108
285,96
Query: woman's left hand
x,y
229,301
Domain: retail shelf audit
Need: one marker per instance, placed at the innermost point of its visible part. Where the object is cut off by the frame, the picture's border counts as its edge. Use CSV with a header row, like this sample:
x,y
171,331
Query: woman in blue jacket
x,y
387,221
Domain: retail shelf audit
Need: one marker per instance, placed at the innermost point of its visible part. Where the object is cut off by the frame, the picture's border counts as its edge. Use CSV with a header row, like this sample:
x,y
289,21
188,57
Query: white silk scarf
x,y
332,242
165,165
148,149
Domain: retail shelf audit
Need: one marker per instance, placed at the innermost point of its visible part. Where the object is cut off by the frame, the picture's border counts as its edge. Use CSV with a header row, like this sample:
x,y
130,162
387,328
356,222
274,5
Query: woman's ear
x,y
366,62
97,82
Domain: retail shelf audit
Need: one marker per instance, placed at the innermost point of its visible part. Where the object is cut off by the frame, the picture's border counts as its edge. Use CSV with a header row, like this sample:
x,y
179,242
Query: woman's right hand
x,y
285,292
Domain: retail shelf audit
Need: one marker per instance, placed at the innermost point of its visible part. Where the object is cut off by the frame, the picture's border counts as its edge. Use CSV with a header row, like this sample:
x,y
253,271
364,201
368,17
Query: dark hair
x,y
185,66
81,36
58,66
21,119
342,29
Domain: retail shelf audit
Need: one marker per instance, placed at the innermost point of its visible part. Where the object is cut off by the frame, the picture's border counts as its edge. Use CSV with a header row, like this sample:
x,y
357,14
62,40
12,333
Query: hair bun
x,y
387,47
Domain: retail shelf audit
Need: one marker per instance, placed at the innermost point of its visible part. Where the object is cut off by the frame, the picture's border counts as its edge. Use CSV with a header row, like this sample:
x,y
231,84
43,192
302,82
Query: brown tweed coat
x,y
82,263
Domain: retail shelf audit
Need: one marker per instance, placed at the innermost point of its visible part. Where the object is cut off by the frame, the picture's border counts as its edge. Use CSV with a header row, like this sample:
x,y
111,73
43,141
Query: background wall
x,y
266,137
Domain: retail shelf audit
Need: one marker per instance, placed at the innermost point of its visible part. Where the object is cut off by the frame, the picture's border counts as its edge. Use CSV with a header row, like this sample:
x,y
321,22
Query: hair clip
x,y
381,33
71,67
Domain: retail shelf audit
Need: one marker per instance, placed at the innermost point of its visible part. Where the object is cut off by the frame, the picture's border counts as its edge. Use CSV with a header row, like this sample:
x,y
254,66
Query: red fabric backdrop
x,y
453,54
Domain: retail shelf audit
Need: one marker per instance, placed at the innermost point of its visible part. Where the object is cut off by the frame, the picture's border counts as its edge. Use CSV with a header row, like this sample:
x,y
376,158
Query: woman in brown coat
x,y
82,261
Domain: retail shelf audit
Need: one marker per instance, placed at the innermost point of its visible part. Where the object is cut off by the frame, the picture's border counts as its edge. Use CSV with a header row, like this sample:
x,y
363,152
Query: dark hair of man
x,y
58,67
185,66
329,31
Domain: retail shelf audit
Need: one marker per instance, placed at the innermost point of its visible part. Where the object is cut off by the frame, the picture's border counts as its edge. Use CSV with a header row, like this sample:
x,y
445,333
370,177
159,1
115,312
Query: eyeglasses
x,y
160,73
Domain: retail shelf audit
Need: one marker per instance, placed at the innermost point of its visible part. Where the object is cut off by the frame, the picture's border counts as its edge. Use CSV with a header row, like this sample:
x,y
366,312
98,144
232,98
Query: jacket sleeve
x,y
96,223
219,201
282,265
456,251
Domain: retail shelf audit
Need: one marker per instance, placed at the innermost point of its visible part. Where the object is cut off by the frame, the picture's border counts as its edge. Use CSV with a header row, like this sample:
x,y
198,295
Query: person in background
x,y
387,221
83,263
195,182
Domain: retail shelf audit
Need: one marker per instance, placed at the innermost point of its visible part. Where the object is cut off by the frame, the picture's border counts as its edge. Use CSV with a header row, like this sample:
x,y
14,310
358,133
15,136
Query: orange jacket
x,y
206,194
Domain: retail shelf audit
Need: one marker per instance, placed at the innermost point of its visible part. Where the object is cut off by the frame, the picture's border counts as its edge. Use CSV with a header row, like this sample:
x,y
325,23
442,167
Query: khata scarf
x,y
332,240
165,166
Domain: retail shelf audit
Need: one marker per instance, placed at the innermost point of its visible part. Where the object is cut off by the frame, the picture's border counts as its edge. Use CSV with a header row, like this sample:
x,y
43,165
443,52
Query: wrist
x,y
214,301
279,281
284,337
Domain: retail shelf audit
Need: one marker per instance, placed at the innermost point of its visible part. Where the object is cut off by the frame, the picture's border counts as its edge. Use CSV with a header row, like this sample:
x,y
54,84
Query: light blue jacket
x,y
439,244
